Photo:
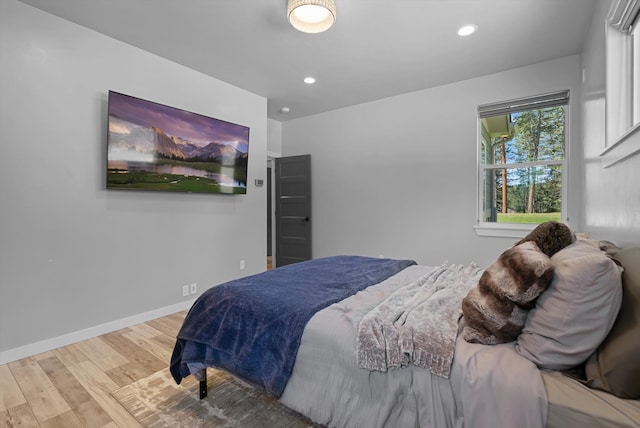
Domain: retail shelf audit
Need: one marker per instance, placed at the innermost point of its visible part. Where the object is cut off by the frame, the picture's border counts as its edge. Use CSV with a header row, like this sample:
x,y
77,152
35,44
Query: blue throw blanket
x,y
252,326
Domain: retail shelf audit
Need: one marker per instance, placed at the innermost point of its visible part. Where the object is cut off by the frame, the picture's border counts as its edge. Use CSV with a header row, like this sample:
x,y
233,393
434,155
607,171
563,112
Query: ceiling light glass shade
x,y
311,16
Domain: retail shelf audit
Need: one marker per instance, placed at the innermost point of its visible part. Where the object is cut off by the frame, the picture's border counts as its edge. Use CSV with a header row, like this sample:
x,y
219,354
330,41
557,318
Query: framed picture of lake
x,y
151,146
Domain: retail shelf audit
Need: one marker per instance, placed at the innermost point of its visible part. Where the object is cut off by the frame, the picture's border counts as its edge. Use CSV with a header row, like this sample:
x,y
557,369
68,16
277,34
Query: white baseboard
x,y
77,336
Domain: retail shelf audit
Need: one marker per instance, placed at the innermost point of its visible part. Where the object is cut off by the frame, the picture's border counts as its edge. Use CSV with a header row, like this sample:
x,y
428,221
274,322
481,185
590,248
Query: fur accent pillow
x,y
550,237
495,311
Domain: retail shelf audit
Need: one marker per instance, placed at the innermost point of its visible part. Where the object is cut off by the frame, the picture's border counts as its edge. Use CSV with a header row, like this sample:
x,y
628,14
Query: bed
x,y
575,362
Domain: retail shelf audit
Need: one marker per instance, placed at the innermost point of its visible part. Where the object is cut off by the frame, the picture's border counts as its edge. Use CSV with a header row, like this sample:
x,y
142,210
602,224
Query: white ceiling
x,y
378,48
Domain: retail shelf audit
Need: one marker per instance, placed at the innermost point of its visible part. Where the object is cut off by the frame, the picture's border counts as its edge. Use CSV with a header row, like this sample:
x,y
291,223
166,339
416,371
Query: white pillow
x,y
574,315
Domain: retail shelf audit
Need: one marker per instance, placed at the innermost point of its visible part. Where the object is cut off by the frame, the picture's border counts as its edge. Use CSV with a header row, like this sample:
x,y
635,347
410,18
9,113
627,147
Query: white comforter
x,y
489,386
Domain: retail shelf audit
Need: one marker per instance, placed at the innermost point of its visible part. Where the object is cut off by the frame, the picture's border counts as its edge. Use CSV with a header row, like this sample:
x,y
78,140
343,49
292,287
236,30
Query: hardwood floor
x,y
71,386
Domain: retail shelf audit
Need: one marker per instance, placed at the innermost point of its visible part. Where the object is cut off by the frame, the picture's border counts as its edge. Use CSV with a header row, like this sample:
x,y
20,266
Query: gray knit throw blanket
x,y
418,323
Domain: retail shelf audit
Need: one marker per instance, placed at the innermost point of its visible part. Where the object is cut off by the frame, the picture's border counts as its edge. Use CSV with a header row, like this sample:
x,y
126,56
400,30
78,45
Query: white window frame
x,y
520,230
622,82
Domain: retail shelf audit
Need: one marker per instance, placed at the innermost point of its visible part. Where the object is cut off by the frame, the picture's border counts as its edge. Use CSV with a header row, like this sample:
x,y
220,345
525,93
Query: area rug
x,y
157,401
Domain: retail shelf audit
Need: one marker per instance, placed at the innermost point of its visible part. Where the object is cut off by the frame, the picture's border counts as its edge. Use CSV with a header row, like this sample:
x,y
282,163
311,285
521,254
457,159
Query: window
x,y
522,163
623,70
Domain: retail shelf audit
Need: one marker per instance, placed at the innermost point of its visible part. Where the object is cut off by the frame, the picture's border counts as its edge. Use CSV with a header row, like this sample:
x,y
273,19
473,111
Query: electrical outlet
x,y
242,264
185,290
194,288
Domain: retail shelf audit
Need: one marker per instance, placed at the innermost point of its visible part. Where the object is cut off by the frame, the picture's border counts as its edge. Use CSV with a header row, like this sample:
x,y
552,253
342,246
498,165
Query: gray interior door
x,y
293,209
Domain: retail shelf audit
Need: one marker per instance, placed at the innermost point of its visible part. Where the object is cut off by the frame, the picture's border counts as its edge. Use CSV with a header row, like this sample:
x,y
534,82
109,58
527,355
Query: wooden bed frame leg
x,y
203,385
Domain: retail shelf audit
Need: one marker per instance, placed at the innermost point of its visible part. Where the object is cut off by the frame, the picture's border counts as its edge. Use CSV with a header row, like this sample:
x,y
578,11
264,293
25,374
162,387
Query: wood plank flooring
x,y
71,386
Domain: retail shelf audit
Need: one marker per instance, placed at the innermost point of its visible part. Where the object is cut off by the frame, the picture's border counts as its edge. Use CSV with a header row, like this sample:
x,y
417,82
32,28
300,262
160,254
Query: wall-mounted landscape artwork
x,y
152,146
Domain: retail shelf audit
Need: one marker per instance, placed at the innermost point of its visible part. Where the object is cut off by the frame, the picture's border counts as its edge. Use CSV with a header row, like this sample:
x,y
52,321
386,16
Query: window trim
x,y
520,230
503,230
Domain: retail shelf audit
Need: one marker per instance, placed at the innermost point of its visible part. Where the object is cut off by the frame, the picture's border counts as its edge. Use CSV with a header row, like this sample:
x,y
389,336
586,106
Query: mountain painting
x,y
151,146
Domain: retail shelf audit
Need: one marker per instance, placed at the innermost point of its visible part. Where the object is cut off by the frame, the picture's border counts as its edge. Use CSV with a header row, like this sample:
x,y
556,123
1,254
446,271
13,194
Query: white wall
x,y
397,177
611,196
73,255
274,138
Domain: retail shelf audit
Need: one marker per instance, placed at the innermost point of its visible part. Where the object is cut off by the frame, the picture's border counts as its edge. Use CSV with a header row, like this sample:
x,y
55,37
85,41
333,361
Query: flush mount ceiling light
x,y
467,30
309,80
311,16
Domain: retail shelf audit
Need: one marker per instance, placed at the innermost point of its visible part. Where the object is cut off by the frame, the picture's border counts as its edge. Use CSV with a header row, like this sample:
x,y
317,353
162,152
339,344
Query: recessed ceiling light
x,y
466,30
285,110
309,80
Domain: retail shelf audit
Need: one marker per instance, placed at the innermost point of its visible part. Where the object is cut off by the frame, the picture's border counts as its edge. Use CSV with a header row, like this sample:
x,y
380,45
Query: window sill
x,y
625,147
504,230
